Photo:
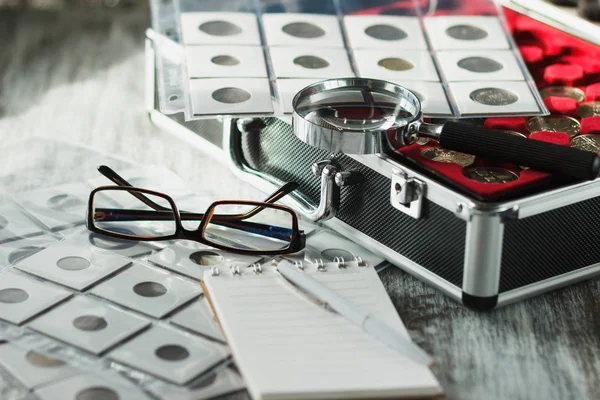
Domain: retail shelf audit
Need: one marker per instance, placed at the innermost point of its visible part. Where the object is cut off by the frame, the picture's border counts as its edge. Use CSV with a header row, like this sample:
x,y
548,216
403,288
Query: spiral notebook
x,y
287,347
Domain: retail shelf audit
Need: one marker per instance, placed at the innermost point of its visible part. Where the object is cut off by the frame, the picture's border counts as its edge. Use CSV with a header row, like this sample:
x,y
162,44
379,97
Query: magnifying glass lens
x,y
358,108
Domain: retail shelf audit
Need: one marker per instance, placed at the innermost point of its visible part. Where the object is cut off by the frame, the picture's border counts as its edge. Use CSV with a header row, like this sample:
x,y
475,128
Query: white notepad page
x,y
287,347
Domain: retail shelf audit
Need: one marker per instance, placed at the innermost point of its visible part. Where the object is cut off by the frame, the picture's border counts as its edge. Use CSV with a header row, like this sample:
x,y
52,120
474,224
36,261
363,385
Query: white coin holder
x,y
21,297
14,224
33,369
218,28
198,317
57,207
88,324
288,88
123,247
432,97
225,61
458,65
289,62
225,96
148,290
170,354
223,382
91,387
11,252
400,32
447,33
73,265
327,245
309,30
462,92
194,259
398,67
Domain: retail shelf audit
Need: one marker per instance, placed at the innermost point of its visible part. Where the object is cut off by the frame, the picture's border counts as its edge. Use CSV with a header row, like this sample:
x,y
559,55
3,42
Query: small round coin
x,y
490,175
519,134
311,62
563,91
554,123
589,109
303,30
423,141
448,156
480,64
587,142
491,96
395,64
466,32
386,32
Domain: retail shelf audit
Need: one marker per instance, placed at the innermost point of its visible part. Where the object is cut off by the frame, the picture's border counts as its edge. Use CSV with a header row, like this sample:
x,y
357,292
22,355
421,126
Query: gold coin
x,y
448,156
554,123
490,175
587,143
395,64
589,109
423,141
519,134
563,91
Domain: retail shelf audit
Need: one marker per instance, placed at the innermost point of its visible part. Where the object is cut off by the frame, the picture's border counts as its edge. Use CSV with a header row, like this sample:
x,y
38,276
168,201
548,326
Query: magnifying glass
x,y
364,116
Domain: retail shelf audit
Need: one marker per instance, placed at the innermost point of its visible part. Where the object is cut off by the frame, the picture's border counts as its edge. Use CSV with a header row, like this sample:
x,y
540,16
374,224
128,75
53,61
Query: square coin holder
x,y
482,65
11,252
198,317
21,297
14,224
123,247
298,62
432,97
170,354
476,98
73,265
218,28
58,207
288,89
223,382
386,32
194,259
31,368
465,32
91,387
405,66
148,290
221,96
89,324
305,30
226,61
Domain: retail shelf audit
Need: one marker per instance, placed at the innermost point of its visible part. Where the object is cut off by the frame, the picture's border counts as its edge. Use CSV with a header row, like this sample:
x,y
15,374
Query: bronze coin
x,y
395,64
589,109
563,91
490,175
438,154
587,142
554,123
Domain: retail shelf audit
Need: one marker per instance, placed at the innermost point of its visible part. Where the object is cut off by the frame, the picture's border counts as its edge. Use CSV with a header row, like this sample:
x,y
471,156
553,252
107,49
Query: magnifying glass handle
x,y
497,145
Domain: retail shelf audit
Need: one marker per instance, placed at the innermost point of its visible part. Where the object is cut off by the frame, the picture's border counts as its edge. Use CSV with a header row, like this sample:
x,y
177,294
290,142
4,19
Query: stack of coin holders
x,y
567,72
244,58
84,316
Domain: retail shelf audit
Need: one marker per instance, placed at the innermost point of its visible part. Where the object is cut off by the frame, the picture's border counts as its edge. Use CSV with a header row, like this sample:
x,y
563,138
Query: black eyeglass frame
x,y
297,241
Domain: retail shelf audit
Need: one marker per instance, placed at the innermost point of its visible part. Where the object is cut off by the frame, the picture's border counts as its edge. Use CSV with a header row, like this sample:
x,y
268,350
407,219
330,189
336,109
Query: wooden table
x,y
79,76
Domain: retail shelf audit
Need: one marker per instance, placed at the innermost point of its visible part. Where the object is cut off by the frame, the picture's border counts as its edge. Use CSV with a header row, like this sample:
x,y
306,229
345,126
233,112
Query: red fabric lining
x,y
590,125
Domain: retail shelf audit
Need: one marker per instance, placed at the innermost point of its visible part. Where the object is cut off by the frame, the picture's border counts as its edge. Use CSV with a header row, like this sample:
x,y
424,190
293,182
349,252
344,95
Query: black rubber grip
x,y
542,156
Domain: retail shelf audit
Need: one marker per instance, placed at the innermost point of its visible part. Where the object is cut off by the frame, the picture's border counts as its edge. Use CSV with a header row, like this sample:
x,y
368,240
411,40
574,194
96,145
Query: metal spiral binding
x,y
359,261
320,265
341,263
299,264
257,268
235,270
214,271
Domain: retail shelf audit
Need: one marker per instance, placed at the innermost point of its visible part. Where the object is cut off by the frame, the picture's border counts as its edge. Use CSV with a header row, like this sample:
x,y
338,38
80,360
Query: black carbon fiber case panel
x,y
366,207
550,244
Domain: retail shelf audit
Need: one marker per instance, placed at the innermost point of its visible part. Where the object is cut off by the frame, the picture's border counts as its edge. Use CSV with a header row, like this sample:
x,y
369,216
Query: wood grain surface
x,y
79,76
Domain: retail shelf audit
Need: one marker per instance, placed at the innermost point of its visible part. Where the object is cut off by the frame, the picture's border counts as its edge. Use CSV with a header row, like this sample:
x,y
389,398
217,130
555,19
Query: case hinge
x,y
407,193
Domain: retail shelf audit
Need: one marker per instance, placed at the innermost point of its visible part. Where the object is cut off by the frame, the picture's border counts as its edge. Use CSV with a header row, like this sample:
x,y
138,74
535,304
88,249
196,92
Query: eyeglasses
x,y
246,227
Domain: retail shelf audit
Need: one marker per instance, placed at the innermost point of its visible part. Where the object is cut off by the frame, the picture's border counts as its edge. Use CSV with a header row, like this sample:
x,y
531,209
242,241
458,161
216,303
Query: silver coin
x,y
303,30
494,96
90,323
490,175
587,142
395,64
149,289
13,296
311,62
206,258
589,109
231,95
466,32
554,123
563,91
98,393
220,28
172,352
225,60
73,263
480,64
386,32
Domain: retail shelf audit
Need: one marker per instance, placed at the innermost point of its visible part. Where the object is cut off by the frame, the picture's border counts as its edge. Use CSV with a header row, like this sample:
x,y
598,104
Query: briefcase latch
x,y
407,193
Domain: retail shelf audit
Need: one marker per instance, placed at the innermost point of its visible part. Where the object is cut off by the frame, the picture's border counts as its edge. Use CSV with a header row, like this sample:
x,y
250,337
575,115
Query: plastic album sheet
x,y
249,58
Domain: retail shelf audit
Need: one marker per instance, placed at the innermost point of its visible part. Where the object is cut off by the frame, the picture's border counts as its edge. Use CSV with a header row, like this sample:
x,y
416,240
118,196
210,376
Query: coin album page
x,y
243,58
84,315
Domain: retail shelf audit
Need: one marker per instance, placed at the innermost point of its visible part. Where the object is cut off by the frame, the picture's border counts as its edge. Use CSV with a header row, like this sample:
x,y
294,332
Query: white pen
x,y
374,326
